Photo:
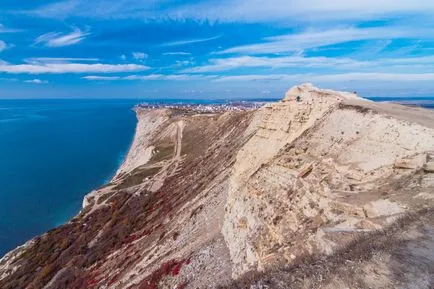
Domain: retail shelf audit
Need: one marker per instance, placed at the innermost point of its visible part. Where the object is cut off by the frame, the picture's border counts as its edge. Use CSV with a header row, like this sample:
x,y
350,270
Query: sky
x,y
214,48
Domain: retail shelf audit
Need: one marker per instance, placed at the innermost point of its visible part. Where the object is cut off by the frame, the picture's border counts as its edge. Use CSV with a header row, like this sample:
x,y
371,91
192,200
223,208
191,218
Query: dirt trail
x,y
172,165
179,129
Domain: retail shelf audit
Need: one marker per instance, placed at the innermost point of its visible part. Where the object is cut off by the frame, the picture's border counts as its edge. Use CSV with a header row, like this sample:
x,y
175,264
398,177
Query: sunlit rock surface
x,y
321,189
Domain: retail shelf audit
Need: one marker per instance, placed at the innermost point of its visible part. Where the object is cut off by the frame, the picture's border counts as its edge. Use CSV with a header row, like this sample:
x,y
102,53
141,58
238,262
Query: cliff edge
x,y
321,189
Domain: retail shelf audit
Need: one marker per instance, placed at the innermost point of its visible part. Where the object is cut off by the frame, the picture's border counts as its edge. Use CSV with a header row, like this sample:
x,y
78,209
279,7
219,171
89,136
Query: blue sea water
x,y
426,101
53,152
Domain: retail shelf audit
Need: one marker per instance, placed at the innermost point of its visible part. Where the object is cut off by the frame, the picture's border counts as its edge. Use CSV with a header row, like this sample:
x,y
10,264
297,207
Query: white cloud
x,y
303,77
98,77
371,48
162,77
313,38
374,76
123,57
239,10
94,9
48,60
180,63
225,64
61,68
36,81
3,45
179,77
300,10
3,29
177,53
331,78
8,79
190,41
256,77
57,39
139,55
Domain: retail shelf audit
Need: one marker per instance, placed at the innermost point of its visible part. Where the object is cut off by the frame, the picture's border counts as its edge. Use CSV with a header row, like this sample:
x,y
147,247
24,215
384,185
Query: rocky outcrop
x,y
148,125
278,197
329,176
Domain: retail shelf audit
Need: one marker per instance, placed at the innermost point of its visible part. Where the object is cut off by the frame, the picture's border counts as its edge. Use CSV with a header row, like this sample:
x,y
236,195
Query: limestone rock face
x,y
274,126
307,90
317,168
321,189
140,151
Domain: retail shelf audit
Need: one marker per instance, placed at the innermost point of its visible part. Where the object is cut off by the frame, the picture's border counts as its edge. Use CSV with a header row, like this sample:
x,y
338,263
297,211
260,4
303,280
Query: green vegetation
x,y
163,152
137,176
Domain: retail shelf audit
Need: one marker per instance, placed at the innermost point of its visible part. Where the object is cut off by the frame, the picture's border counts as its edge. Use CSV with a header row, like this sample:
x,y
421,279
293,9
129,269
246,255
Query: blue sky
x,y
214,48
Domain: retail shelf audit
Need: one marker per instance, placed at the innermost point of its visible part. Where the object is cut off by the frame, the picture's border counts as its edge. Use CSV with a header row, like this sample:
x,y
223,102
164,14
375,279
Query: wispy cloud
x,y
163,77
307,77
36,81
374,76
9,79
3,29
57,39
301,11
341,63
372,48
61,68
313,39
318,40
48,60
238,10
181,63
177,53
3,45
224,64
176,77
258,77
61,9
139,55
99,77
191,41
94,9
331,78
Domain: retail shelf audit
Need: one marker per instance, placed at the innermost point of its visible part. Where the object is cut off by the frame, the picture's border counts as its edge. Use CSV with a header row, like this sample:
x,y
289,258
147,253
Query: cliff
x,y
321,189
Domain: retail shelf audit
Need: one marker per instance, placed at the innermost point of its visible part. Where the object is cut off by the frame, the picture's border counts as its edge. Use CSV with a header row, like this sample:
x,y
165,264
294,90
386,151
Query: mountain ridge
x,y
237,199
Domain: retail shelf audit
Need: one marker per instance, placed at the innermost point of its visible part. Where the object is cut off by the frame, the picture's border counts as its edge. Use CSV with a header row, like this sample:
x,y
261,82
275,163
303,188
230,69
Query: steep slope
x,y
341,170
285,196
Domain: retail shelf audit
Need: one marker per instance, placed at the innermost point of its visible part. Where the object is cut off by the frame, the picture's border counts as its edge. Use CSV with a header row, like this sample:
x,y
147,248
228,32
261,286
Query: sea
x,y
53,152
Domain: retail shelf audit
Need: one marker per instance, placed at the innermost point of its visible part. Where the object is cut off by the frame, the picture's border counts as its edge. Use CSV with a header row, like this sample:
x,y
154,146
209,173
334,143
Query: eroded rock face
x,y
148,125
273,127
319,171
204,200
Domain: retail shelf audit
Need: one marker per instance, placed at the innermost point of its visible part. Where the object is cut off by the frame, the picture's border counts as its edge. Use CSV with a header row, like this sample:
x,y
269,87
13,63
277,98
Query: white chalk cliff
x,y
322,189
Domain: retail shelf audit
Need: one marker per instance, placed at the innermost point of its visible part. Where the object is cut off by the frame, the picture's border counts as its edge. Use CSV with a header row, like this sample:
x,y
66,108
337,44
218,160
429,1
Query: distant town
x,y
205,108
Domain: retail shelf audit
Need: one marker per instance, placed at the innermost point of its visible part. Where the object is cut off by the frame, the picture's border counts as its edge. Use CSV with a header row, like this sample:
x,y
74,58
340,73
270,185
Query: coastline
x,y
145,126
134,156
147,122
59,168
187,190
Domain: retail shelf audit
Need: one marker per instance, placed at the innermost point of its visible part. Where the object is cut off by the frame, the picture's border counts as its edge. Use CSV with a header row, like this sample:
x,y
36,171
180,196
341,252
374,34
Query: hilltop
x,y
321,189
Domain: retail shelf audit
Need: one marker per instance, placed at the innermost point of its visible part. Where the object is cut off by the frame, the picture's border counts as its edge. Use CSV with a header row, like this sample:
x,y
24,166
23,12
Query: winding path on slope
x,y
171,166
